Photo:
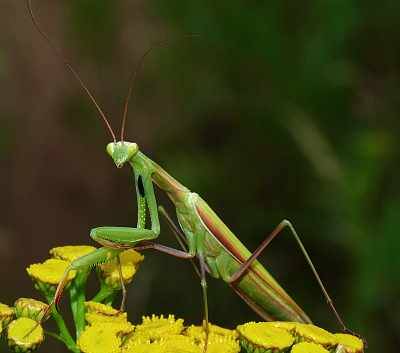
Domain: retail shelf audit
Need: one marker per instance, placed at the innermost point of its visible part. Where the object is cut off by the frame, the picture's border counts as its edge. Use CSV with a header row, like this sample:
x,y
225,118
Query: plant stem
x,y
64,332
54,335
104,293
77,300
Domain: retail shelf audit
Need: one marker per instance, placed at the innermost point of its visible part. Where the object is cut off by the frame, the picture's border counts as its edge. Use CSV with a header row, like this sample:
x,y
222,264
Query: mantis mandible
x,y
201,233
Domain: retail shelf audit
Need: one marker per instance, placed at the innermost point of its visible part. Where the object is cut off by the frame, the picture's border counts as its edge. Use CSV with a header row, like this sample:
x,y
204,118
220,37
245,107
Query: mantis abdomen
x,y
224,253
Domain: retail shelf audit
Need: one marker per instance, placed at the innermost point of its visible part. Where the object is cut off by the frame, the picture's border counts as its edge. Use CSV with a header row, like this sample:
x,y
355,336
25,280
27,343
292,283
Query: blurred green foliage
x,y
279,110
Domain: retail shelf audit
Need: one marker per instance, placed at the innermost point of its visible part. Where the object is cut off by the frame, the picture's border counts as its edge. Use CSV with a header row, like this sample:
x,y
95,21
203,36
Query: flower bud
x,y
6,315
30,308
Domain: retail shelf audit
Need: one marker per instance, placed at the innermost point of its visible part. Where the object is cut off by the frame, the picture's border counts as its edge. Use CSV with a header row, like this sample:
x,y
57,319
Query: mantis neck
x,y
172,187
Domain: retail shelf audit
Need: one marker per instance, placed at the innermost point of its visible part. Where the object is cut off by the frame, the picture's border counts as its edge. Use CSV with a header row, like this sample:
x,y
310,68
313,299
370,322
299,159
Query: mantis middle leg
x,y
178,235
187,256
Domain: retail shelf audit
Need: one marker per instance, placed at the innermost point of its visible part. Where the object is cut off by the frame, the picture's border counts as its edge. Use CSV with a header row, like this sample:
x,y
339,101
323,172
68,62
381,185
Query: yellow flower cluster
x,y
50,272
301,338
159,334
108,331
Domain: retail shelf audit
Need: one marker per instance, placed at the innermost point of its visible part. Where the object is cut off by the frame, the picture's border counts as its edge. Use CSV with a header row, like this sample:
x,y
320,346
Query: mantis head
x,y
121,152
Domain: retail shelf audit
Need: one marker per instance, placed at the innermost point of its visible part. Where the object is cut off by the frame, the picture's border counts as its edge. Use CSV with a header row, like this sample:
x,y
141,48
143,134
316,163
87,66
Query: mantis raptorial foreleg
x,y
277,231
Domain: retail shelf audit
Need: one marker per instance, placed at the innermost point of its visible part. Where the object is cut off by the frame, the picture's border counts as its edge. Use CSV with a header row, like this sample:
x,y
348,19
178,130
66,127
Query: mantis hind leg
x,y
277,231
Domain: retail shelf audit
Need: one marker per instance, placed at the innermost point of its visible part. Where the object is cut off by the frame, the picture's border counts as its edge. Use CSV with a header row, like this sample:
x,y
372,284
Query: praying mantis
x,y
203,236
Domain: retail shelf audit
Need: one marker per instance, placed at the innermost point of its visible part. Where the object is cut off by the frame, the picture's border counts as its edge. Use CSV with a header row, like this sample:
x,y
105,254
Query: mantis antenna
x,y
69,67
134,75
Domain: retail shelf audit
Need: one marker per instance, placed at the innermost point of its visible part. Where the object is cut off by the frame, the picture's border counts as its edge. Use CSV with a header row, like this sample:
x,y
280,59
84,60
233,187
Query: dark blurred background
x,y
281,109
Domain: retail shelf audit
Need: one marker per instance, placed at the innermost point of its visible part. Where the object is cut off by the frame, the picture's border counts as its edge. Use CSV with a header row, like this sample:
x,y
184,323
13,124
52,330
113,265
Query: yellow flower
x,y
198,333
308,347
121,329
130,260
177,338
24,335
315,334
101,313
100,339
99,308
71,252
286,325
49,272
226,344
93,318
30,308
134,341
143,347
156,327
167,344
351,343
179,344
264,337
6,315
97,313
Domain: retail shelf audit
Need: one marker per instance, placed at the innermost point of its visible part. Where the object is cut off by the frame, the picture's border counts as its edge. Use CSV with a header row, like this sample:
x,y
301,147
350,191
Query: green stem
x,y
104,293
54,335
64,332
110,299
77,300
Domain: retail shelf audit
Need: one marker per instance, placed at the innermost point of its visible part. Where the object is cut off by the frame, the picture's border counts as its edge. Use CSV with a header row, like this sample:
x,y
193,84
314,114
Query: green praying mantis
x,y
203,236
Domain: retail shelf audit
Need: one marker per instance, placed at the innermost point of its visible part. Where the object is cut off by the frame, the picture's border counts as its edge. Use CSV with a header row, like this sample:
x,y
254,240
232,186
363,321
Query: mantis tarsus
x,y
201,233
